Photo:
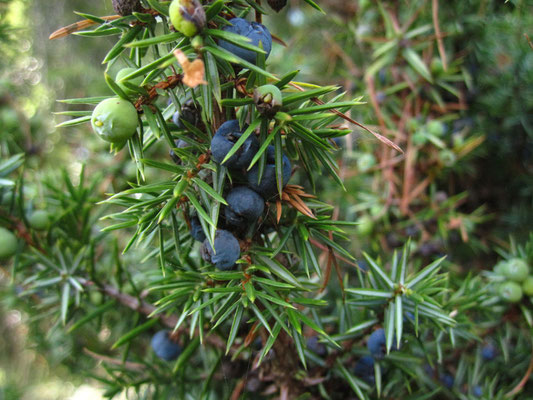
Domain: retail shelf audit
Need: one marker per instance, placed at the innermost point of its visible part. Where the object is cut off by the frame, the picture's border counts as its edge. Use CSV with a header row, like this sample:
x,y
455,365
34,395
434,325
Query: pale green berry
x,y
499,268
268,100
187,16
115,120
8,244
39,220
527,286
135,81
435,128
510,291
365,225
516,270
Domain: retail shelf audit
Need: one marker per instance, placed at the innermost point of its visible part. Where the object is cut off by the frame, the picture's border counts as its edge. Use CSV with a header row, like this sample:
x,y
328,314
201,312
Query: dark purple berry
x,y
364,369
244,206
197,231
258,33
316,347
164,347
227,250
277,5
126,7
267,186
180,144
225,138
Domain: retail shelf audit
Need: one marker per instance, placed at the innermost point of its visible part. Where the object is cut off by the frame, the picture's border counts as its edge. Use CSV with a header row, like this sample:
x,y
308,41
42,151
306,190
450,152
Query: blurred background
x,y
452,86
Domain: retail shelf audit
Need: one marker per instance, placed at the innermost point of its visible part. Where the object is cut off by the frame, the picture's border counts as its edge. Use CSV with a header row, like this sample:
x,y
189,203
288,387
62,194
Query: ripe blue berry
x,y
180,144
316,347
489,352
267,186
196,230
256,32
225,138
364,369
227,251
164,347
190,112
377,344
477,391
447,380
244,206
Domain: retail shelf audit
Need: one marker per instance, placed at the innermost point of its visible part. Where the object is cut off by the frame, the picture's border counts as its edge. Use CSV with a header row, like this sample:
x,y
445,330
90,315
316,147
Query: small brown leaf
x,y
309,213
194,72
300,206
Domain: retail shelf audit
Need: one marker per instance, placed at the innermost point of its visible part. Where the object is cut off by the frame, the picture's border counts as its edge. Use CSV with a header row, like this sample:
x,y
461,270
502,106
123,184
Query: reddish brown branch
x,y
171,82
146,309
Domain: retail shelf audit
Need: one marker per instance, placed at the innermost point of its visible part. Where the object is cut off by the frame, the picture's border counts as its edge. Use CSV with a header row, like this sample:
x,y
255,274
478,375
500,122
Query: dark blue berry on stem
x,y
364,369
489,352
258,33
267,186
227,250
225,138
164,347
316,347
244,206
196,230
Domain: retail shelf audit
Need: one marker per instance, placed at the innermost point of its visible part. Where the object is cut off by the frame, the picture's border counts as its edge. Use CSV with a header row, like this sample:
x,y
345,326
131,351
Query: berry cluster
x,y
115,120
246,200
516,279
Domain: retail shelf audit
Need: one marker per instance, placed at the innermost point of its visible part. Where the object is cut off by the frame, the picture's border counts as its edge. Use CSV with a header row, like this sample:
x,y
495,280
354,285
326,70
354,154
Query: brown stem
x,y
145,308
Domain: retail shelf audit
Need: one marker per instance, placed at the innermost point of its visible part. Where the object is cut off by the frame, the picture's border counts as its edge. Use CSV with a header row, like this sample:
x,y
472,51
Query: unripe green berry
x,y
135,81
499,268
8,244
516,270
115,120
268,100
510,291
365,225
527,286
7,198
187,16
39,220
413,124
436,66
435,128
365,161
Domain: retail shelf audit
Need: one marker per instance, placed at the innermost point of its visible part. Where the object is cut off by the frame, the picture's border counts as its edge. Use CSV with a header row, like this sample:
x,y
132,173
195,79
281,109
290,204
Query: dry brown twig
x,y
381,138
440,43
